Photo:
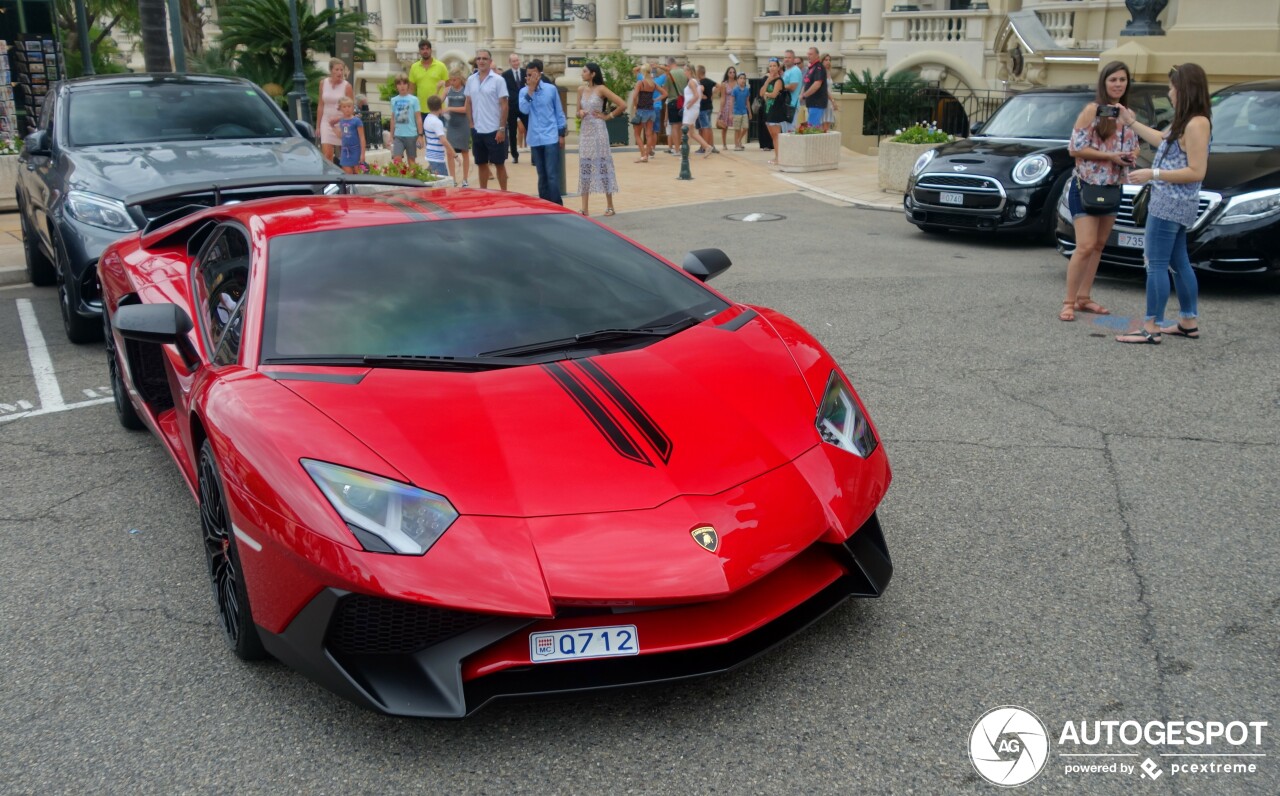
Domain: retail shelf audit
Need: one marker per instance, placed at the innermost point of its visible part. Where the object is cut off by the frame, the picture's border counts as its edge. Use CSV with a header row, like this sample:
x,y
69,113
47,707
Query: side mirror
x,y
37,144
975,128
164,324
706,264
306,130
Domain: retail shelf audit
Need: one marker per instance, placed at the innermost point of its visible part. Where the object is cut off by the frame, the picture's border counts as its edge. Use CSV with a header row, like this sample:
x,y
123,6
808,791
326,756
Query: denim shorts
x,y
644,116
704,119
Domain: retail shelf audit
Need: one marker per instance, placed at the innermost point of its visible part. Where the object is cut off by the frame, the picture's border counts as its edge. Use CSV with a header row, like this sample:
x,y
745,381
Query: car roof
x,y
1088,88
152,79
1253,85
288,215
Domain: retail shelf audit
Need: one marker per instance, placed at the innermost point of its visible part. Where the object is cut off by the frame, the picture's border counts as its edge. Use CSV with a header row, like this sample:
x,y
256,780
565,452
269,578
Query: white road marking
x,y
63,408
25,405
41,364
90,394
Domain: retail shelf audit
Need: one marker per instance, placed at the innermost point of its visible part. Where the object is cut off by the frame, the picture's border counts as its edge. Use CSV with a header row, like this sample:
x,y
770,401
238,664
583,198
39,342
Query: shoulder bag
x,y
1099,200
1142,201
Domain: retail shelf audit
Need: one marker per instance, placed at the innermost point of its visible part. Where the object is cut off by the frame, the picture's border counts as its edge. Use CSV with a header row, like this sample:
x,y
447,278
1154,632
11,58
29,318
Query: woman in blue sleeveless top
x,y
1175,175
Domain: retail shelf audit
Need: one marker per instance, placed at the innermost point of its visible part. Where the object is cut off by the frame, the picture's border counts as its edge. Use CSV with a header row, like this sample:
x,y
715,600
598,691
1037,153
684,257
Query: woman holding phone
x,y
1104,149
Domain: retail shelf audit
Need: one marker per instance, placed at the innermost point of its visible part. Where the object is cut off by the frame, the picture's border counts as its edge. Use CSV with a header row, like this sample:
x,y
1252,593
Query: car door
x,y
42,178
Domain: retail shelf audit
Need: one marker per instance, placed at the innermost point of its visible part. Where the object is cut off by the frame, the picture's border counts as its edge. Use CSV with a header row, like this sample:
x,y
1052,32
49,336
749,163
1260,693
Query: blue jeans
x,y
1166,245
546,159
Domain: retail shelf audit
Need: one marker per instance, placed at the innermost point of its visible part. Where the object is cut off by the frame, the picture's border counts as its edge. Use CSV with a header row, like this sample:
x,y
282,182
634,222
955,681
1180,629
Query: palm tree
x,y
258,32
155,39
893,101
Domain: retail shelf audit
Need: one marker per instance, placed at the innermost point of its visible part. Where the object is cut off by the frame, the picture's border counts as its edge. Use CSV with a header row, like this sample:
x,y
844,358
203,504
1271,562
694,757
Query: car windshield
x,y
1049,116
134,114
1246,118
464,287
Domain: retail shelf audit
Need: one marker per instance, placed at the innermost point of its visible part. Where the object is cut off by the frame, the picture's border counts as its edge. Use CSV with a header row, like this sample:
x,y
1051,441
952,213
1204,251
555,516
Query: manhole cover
x,y
755,217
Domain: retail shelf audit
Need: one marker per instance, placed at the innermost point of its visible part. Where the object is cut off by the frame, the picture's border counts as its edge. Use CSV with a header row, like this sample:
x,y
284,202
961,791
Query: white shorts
x,y
691,116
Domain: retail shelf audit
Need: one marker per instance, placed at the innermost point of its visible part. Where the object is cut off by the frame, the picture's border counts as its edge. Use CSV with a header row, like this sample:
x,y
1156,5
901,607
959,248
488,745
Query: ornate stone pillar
x,y
741,29
607,35
390,10
872,23
504,37
711,24
584,33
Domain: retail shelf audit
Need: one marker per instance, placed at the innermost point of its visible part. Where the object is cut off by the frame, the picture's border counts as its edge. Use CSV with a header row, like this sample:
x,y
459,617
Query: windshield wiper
x,y
599,335
415,362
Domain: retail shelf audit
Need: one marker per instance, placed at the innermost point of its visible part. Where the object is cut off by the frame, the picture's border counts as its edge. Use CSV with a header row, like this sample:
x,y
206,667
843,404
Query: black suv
x,y
1238,228
1009,175
102,139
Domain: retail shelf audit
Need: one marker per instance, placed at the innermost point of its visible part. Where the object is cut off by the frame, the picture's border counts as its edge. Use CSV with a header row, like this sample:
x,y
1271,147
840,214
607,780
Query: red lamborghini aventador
x,y
454,445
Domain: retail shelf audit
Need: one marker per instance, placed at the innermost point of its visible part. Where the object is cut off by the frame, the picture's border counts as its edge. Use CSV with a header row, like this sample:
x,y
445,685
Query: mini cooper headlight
x,y
386,516
99,211
1031,169
923,160
1251,207
840,421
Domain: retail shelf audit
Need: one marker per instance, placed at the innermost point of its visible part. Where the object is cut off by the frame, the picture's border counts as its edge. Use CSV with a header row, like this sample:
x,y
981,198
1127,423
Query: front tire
x,y
125,413
40,270
226,575
80,330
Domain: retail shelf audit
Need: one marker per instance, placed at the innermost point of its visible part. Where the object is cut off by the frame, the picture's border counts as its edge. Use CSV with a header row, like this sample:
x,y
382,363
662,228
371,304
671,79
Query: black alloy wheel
x,y
235,617
39,269
125,412
80,330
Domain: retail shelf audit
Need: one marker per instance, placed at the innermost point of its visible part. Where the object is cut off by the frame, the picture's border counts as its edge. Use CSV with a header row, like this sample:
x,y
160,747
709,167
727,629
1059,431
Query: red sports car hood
x,y
693,414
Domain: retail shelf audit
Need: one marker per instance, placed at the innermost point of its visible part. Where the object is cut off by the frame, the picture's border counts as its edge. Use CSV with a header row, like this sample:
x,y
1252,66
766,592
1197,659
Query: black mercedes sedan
x,y
101,139
1009,175
1238,228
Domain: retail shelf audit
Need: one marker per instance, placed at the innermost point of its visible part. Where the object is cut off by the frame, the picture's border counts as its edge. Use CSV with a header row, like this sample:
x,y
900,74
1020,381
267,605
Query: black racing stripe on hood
x,y
615,434
634,412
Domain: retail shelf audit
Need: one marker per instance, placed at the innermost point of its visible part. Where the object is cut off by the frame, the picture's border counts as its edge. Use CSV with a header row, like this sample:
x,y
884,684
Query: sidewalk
x,y
643,186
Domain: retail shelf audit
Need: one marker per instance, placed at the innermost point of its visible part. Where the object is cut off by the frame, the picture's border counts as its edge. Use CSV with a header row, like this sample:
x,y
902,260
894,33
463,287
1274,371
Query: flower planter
x,y
618,128
812,152
895,162
8,182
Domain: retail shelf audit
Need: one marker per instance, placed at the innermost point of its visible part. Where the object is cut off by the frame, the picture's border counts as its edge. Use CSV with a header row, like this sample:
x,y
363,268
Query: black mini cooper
x,y
1008,176
1238,228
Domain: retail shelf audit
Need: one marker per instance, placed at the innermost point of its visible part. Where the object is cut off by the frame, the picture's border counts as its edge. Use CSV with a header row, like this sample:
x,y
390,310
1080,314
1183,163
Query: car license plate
x,y
949,198
1131,241
585,642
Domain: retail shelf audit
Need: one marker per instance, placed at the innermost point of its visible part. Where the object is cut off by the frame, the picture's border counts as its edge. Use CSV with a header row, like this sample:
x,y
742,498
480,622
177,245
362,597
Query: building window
x,y
418,12
801,7
555,10
675,9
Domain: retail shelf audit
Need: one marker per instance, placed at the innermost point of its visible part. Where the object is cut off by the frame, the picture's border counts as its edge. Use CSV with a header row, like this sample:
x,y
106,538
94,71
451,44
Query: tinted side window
x,y
1161,111
223,282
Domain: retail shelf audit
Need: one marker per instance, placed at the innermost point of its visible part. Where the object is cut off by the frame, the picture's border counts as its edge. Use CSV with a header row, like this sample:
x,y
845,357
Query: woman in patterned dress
x,y
724,120
332,89
595,161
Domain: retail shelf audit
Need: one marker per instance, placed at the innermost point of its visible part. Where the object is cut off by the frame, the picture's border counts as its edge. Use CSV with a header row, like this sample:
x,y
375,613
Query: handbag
x,y
1142,201
1099,200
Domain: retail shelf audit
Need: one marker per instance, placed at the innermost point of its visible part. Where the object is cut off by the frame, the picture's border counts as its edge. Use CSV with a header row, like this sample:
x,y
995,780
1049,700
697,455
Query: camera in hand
x,y
1108,111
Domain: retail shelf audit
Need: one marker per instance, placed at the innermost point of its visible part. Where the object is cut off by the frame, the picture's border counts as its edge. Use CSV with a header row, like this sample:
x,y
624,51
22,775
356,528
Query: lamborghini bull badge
x,y
706,537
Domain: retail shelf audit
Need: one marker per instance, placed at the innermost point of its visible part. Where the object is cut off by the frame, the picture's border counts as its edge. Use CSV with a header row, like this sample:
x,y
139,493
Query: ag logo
x,y
706,537
1009,746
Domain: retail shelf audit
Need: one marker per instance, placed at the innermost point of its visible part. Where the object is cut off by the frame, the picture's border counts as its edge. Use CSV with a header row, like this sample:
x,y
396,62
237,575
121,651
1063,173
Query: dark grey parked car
x,y
103,139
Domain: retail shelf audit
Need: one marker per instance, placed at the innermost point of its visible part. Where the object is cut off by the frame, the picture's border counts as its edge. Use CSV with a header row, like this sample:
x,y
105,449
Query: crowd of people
x,y
493,116
1105,144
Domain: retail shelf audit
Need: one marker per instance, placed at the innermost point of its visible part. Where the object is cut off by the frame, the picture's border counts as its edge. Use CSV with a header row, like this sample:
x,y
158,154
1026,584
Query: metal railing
x,y
953,110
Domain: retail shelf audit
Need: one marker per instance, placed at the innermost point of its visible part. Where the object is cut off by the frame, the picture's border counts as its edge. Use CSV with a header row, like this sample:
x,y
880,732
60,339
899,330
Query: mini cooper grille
x,y
952,181
373,626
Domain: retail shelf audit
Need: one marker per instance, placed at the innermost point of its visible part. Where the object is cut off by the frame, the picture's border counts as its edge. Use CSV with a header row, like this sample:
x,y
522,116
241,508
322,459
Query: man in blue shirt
x,y
544,132
791,80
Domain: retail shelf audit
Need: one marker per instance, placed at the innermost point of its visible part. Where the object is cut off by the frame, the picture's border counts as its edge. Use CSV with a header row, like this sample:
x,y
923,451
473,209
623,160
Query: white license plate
x,y
586,642
1130,240
949,198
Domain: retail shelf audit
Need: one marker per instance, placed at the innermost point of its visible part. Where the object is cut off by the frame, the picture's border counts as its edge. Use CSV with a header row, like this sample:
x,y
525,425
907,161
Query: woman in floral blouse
x,y
1104,150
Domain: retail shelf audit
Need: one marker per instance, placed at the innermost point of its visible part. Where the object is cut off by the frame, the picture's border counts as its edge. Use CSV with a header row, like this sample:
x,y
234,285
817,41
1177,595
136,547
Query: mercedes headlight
x,y
1251,207
840,421
923,160
99,211
1031,169
385,516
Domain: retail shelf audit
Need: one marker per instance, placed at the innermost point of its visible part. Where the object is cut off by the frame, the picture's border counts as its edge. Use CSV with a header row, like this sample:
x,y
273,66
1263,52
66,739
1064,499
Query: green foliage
x,y
388,89
919,133
413,171
104,62
257,31
893,101
619,70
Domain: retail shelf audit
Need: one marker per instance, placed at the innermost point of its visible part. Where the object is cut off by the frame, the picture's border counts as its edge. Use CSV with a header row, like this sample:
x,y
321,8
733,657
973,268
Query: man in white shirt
x,y
487,111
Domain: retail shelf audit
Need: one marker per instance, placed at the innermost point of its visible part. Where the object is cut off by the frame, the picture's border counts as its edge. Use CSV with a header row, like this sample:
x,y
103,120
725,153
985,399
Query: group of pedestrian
x,y
1105,145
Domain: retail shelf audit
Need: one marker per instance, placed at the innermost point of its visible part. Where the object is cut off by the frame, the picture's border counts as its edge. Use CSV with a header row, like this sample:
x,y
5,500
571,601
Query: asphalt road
x,y
1084,529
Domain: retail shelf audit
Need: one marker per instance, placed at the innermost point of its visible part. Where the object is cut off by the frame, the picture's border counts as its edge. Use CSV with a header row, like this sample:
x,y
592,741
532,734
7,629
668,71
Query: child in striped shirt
x,y
439,151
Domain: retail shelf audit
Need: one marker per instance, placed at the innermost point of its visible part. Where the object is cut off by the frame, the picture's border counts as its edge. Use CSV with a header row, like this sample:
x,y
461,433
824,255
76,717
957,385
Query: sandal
x,y
642,160
1181,331
1068,312
1089,305
1139,336
610,212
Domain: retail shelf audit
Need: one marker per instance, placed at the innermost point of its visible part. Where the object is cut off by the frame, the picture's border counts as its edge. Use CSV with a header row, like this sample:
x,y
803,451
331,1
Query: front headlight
x,y
99,211
386,516
840,421
1251,207
923,160
1031,169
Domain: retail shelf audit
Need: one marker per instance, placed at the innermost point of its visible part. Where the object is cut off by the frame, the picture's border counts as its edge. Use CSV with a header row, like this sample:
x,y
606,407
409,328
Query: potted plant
x,y
898,155
9,149
619,70
808,149
412,171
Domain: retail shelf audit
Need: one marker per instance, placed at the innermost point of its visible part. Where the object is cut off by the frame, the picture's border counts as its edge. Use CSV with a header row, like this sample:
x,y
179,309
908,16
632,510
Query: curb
x,y
13,275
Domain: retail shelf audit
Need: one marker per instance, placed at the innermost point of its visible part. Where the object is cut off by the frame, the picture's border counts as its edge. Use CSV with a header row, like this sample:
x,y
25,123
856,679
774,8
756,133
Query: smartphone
x,y
1108,111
